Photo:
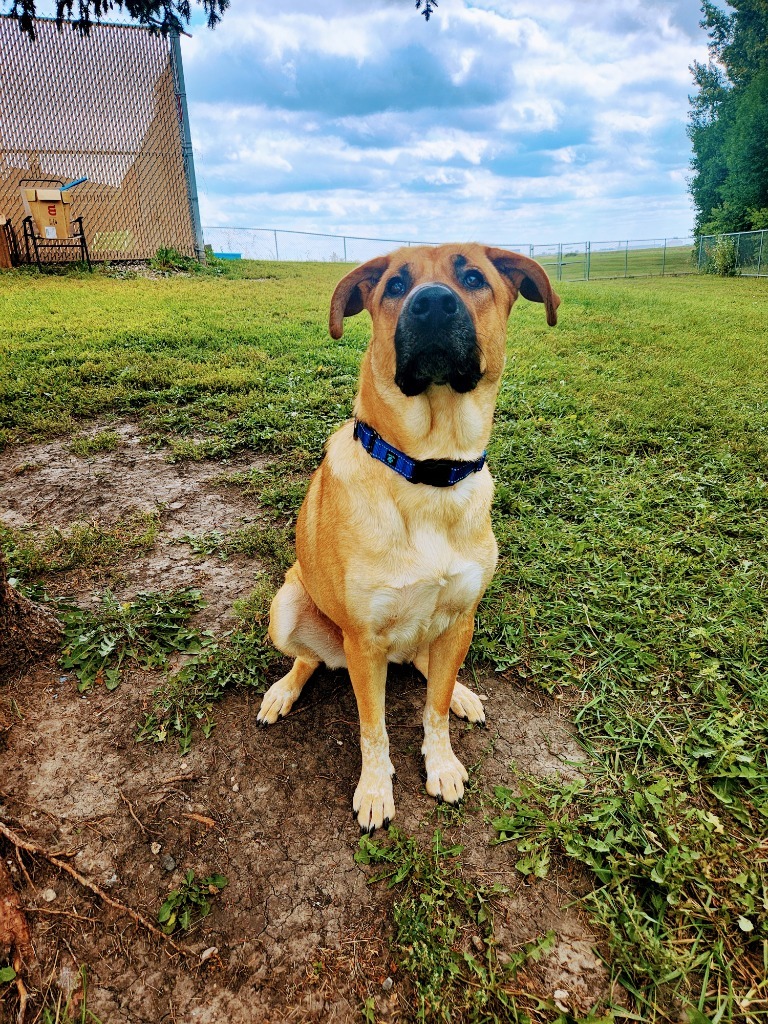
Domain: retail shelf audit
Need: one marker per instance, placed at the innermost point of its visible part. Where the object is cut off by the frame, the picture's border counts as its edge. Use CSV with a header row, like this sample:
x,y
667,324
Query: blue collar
x,y
435,472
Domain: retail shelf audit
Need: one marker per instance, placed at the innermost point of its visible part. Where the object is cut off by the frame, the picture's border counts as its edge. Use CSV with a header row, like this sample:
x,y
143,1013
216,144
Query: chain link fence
x,y
564,261
109,107
742,252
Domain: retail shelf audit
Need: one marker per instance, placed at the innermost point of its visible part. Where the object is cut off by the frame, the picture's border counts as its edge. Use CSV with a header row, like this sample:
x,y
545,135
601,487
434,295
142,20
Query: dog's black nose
x,y
435,304
435,341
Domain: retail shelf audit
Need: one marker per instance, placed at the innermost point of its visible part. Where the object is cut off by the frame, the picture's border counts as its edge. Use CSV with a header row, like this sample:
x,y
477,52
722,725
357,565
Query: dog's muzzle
x,y
436,342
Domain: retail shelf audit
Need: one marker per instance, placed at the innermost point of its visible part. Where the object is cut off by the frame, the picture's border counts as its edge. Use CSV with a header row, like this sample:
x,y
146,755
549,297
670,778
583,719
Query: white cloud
x,y
498,116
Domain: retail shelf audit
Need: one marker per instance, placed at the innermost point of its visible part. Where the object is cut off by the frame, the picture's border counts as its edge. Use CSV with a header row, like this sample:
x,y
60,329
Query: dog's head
x,y
440,313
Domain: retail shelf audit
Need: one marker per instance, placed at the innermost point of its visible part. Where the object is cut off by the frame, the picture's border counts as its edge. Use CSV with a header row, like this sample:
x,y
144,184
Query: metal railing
x,y
564,261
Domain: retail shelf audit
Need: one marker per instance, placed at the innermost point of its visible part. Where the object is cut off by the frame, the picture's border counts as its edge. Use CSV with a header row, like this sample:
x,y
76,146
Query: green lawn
x,y
578,264
631,458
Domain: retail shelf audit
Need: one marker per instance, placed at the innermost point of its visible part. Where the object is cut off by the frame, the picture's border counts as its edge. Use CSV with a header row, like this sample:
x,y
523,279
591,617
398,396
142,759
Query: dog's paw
x,y
466,704
277,702
373,803
446,776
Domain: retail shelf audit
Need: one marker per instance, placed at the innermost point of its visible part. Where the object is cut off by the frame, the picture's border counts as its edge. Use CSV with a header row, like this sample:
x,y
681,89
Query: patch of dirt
x,y
299,932
49,486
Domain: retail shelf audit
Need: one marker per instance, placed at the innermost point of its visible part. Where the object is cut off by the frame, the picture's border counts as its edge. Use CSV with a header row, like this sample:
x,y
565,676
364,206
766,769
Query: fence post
x,y
664,258
760,252
560,261
186,146
738,252
345,248
588,260
626,259
701,246
277,254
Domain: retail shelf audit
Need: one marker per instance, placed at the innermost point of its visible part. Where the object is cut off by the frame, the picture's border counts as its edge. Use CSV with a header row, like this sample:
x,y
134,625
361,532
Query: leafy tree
x,y
728,124
163,15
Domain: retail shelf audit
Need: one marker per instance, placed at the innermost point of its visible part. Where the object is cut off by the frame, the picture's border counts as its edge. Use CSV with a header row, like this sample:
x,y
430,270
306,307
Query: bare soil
x,y
299,933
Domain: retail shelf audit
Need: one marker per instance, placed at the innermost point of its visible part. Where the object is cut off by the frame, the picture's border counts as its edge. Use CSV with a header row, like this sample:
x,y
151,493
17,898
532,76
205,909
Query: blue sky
x,y
509,121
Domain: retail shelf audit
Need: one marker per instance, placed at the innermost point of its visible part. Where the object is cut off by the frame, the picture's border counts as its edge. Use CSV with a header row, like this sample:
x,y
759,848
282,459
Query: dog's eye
x,y
473,280
395,287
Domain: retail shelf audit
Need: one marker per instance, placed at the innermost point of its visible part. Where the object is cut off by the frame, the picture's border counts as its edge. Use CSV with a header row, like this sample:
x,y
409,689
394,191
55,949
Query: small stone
x,y
111,882
208,953
156,847
478,943
48,895
177,504
235,788
168,862
387,984
562,997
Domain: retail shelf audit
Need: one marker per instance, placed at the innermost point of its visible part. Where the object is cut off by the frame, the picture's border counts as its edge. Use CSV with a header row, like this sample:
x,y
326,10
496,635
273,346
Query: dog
x,y
394,546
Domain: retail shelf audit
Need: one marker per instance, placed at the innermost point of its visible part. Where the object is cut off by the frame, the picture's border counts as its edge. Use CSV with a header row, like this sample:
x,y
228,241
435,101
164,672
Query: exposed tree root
x,y
15,936
27,630
23,844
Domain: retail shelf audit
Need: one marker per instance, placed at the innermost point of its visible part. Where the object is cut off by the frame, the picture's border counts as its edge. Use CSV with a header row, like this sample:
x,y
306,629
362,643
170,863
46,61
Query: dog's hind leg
x,y
281,696
464,703
298,627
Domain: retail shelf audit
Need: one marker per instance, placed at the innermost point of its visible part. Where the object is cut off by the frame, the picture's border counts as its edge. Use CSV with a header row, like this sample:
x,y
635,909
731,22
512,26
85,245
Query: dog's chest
x,y
431,584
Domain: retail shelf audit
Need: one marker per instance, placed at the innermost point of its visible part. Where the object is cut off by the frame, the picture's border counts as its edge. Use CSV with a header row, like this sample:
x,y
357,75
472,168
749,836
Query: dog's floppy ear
x,y
528,278
352,292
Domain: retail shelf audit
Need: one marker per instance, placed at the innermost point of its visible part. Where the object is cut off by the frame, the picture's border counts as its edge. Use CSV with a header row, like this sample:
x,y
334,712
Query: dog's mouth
x,y
436,342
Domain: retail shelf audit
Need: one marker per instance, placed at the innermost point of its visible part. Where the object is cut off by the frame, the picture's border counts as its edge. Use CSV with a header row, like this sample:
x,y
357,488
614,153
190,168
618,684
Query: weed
x,y
673,885
254,608
72,1010
190,902
144,631
168,258
185,698
273,544
82,545
90,444
211,543
442,921
723,258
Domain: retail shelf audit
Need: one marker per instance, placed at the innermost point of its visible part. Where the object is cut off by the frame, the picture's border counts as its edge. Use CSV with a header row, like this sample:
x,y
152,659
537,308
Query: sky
x,y
510,121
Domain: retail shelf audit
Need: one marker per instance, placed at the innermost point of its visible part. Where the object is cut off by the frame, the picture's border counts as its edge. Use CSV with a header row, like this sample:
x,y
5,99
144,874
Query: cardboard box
x,y
50,211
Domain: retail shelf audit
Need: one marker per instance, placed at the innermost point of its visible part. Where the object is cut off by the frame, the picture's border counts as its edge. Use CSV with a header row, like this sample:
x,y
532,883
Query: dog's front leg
x,y
446,774
373,803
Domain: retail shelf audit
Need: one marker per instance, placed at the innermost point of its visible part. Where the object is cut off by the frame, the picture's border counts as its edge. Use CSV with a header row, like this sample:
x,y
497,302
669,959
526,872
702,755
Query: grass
x,y
631,457
443,932
86,545
578,265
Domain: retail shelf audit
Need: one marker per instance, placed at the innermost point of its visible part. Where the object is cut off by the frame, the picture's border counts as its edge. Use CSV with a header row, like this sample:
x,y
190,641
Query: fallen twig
x,y
33,848
201,819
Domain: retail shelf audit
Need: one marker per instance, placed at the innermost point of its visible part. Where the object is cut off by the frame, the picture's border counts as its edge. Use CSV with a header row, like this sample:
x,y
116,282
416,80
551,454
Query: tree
x,y
27,630
162,15
728,124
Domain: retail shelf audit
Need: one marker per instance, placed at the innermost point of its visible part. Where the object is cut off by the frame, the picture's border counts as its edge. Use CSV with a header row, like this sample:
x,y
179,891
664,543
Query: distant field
x,y
630,453
612,263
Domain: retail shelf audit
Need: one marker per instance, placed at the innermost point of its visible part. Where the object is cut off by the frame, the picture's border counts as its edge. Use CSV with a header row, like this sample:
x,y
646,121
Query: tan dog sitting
x,y
394,542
